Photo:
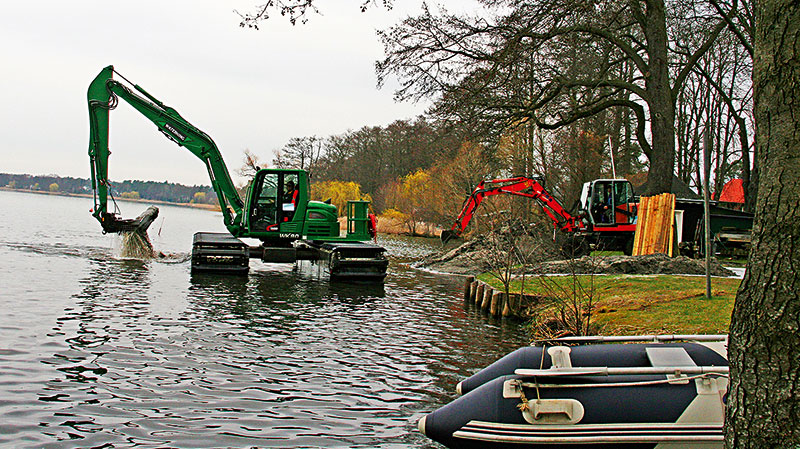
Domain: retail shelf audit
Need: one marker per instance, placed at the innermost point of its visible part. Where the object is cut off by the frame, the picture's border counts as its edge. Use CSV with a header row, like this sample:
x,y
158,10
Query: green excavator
x,y
277,209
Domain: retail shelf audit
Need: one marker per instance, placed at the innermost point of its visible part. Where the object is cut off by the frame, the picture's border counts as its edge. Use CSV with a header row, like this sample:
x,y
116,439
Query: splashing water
x,y
136,245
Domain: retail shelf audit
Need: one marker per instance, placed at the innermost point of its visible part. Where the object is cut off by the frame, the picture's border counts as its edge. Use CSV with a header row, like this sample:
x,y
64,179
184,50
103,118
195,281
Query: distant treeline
x,y
148,190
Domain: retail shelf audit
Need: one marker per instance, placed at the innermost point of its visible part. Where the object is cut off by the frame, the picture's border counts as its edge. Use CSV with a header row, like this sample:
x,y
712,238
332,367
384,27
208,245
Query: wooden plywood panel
x,y
655,225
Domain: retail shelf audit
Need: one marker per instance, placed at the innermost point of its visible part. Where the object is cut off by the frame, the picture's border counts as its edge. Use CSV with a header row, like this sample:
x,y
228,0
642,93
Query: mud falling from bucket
x,y
136,245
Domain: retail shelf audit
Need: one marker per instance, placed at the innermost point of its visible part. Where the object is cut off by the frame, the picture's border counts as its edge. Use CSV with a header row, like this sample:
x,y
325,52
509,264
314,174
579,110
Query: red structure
x,y
733,194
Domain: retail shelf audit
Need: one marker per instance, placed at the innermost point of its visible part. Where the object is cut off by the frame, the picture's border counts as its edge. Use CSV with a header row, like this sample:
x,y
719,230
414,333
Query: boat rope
x,y
537,385
523,407
525,404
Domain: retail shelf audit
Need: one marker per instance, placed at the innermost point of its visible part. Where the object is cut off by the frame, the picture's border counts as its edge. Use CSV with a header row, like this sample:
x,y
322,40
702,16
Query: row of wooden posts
x,y
489,300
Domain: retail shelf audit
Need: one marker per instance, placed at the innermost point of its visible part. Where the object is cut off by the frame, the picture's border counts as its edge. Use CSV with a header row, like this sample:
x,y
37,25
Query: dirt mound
x,y
650,264
535,249
467,258
527,243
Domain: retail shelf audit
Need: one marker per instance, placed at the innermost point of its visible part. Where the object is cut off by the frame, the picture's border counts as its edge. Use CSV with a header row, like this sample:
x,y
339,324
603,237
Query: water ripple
x,y
99,351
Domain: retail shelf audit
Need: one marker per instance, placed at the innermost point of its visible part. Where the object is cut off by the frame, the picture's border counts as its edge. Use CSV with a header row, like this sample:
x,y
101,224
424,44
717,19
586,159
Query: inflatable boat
x,y
663,392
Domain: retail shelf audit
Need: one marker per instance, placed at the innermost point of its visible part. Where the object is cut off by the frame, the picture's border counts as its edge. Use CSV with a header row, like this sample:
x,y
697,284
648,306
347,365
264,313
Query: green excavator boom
x,y
103,96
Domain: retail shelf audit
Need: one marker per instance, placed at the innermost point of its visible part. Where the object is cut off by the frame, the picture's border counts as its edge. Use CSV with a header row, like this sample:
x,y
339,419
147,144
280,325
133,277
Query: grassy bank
x,y
661,304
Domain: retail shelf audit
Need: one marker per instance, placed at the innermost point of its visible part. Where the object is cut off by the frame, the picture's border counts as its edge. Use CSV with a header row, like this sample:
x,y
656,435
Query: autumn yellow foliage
x,y
412,199
394,214
133,195
339,192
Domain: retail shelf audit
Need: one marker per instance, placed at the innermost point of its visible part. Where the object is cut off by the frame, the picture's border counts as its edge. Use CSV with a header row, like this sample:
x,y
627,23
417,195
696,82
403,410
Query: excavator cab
x,y
277,200
609,202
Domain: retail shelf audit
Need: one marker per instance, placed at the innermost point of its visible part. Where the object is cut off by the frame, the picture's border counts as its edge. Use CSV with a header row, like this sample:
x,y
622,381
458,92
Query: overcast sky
x,y
245,88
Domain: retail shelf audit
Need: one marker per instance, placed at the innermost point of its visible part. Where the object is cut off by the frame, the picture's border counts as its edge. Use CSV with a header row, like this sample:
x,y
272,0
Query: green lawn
x,y
660,304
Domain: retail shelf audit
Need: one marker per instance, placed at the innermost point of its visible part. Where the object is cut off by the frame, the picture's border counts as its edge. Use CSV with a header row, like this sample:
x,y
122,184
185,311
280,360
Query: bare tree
x,y
300,152
250,164
294,10
509,247
740,17
375,155
555,62
717,97
566,304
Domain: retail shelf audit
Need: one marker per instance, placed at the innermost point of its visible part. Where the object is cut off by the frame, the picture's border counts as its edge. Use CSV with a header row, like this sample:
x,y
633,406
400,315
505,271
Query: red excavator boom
x,y
520,186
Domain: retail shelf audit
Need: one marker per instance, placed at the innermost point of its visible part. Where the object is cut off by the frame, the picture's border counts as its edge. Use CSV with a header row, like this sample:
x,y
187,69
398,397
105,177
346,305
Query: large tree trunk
x,y
661,102
763,408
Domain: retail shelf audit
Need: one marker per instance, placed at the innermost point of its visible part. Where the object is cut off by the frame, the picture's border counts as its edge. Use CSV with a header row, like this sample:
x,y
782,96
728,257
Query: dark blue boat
x,y
643,395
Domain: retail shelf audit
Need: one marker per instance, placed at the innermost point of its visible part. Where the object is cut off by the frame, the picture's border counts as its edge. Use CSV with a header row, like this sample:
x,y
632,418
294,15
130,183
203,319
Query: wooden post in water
x,y
479,293
468,287
494,307
487,298
506,305
473,289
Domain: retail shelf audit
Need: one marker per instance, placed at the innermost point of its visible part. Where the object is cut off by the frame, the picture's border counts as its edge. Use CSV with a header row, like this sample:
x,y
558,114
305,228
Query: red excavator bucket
x,y
448,235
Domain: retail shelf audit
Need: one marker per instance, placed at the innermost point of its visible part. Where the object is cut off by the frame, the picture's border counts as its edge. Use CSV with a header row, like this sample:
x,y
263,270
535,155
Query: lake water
x,y
100,351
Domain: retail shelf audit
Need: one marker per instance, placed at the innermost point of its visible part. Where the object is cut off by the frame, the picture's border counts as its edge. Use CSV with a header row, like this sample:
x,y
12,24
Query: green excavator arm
x,y
103,96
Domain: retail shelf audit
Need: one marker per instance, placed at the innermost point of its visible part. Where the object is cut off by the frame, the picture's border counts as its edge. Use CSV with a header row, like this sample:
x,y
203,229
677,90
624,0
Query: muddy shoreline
x,y
473,257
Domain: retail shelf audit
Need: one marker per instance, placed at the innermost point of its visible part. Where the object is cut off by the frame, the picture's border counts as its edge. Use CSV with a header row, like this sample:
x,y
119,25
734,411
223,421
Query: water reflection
x,y
282,284
145,354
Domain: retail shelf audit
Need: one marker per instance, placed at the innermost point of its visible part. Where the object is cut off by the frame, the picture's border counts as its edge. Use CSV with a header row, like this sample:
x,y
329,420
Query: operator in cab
x,y
608,206
289,200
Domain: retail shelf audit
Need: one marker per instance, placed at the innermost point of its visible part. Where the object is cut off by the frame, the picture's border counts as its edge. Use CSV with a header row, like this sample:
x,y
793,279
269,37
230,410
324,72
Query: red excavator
x,y
605,217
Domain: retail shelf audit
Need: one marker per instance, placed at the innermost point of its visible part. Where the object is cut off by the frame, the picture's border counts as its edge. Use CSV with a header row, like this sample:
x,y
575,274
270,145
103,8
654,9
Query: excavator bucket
x,y
139,224
448,235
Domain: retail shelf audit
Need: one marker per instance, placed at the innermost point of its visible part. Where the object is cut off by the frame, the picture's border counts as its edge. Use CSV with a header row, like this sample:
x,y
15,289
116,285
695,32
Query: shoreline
x,y
392,228
210,207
